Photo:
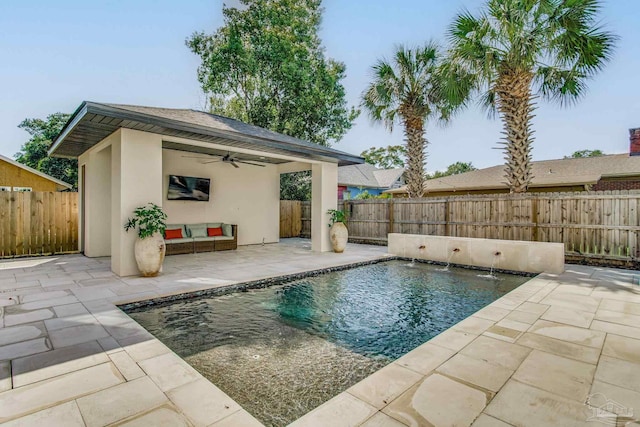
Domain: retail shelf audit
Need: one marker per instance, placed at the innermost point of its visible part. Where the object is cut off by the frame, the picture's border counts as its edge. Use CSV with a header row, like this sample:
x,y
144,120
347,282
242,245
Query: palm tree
x,y
407,90
518,50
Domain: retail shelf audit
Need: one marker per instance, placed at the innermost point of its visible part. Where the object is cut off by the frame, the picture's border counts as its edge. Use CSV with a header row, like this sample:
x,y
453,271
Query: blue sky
x,y
54,55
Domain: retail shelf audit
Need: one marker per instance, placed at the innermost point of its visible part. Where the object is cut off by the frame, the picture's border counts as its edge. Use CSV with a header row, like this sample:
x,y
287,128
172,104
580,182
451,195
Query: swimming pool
x,y
284,350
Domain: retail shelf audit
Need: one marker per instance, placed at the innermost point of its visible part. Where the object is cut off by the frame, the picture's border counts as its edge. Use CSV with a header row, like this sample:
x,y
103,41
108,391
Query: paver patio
x,y
69,356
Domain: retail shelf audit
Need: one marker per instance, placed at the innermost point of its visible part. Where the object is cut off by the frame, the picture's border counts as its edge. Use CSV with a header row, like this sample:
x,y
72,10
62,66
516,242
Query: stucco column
x,y
324,196
97,198
136,179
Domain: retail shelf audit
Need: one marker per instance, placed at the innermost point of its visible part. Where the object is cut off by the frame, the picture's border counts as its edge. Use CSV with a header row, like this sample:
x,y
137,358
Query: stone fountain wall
x,y
530,257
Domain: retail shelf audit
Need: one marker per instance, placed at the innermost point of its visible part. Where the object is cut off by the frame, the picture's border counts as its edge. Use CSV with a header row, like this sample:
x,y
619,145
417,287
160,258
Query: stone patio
x,y
70,357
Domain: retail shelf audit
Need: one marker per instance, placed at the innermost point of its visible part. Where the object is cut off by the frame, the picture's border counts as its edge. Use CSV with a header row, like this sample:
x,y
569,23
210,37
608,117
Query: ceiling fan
x,y
228,158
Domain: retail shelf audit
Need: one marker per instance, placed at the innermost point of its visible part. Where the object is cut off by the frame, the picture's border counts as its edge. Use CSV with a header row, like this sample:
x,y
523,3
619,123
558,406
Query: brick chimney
x,y
634,142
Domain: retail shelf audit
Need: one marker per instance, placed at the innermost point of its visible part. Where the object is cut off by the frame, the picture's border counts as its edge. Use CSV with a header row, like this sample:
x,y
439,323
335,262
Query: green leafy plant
x,y
266,66
364,196
337,216
149,219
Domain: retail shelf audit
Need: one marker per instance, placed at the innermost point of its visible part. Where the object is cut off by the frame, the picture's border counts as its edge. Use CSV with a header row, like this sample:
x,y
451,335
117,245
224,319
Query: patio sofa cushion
x,y
214,224
182,240
227,230
173,234
177,227
211,239
197,230
211,232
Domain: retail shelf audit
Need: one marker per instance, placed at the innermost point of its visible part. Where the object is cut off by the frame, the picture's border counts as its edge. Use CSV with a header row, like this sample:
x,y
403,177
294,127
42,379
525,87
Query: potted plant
x,y
149,247
338,233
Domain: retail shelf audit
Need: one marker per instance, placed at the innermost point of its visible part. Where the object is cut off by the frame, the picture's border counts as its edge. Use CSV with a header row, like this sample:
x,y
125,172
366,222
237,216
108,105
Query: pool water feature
x,y
284,350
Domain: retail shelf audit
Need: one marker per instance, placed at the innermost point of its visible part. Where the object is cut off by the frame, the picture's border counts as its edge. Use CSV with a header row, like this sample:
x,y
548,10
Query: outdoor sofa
x,y
201,237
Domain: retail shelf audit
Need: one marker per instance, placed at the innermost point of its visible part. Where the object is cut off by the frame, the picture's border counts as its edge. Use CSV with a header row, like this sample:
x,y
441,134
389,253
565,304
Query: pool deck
x,y
70,357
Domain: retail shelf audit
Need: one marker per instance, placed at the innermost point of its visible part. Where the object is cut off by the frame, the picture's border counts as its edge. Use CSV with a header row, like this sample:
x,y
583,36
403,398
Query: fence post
x,y
390,230
534,218
447,231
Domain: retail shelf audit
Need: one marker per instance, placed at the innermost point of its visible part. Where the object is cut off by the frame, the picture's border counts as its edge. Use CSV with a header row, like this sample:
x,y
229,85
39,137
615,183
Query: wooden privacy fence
x,y
290,218
38,223
600,223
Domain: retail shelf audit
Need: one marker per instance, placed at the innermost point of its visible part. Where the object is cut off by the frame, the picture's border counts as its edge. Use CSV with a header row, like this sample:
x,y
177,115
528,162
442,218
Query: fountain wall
x,y
530,257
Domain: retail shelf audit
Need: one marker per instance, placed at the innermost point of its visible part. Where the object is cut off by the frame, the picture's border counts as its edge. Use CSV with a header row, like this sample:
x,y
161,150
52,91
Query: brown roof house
x,y
15,176
609,172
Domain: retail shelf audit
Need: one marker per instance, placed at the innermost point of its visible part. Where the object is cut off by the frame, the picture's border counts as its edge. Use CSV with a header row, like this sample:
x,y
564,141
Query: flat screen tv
x,y
188,188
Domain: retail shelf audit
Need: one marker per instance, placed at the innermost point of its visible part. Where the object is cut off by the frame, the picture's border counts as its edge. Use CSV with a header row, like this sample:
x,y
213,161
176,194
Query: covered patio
x,y
127,153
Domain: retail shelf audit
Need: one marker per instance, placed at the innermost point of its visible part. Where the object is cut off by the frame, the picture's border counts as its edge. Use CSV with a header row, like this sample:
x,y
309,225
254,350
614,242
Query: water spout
x,y
493,261
446,267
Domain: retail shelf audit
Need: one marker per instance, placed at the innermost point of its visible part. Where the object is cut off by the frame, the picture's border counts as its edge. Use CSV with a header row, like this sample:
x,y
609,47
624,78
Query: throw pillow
x,y
211,232
227,230
173,234
198,230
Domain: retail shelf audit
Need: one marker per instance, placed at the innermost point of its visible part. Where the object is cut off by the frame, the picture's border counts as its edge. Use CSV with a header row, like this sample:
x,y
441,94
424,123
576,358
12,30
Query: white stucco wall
x,y
531,257
248,196
97,190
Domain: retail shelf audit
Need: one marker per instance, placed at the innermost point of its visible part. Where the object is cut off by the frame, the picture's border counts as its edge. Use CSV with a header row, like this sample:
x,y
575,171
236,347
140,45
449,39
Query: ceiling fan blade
x,y
234,164
211,161
249,163
200,157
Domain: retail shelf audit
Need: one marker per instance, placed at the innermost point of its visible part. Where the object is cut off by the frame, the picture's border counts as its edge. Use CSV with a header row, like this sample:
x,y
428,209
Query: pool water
x,y
284,350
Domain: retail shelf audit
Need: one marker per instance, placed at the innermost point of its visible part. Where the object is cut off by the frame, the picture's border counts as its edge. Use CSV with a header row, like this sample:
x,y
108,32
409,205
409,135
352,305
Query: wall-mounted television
x,y
188,188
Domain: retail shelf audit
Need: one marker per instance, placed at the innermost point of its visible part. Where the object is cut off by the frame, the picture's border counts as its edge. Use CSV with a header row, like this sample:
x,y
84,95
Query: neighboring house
x,y
609,172
15,176
354,180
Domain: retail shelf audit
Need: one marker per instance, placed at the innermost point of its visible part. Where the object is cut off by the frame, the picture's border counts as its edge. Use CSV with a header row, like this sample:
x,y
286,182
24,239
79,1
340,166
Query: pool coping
x,y
128,307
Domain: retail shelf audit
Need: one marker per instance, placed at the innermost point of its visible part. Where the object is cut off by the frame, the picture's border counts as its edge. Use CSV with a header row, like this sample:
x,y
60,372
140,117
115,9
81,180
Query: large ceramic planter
x,y
150,254
339,236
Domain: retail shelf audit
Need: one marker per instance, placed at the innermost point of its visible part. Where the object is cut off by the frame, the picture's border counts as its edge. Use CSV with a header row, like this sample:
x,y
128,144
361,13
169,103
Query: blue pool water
x,y
283,350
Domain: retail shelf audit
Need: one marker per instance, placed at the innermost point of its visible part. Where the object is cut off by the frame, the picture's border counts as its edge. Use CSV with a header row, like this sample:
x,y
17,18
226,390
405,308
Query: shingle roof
x,y
387,177
94,121
34,171
213,121
546,173
367,175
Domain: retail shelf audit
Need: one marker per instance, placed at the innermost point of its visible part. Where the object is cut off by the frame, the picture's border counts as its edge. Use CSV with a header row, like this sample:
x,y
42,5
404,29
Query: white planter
x,y
339,236
150,254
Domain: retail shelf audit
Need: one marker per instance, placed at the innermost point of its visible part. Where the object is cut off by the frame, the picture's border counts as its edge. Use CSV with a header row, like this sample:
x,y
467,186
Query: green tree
x,y
295,186
407,90
389,157
518,50
266,66
33,153
453,169
585,153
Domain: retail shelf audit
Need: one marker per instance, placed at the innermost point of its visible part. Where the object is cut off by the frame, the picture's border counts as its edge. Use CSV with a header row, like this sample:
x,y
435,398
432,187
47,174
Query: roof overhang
x,y
92,122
